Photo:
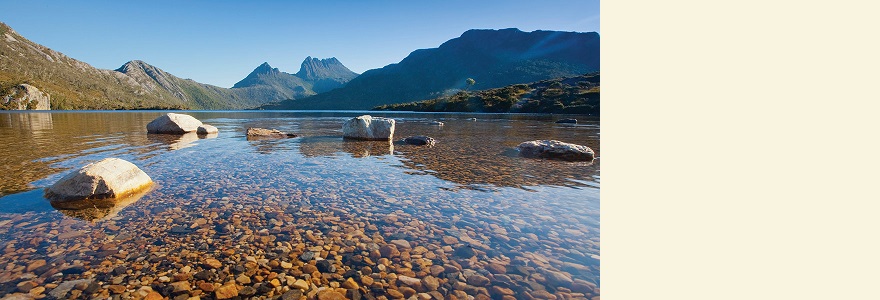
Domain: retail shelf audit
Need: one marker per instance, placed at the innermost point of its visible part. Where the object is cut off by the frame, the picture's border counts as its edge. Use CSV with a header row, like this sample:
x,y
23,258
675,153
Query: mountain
x,y
325,74
73,84
492,58
275,84
570,95
314,76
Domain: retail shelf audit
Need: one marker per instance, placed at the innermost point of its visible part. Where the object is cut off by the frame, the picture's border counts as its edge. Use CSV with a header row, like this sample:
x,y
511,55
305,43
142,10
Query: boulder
x,y
206,129
175,123
367,127
567,121
108,178
267,133
419,140
25,97
552,149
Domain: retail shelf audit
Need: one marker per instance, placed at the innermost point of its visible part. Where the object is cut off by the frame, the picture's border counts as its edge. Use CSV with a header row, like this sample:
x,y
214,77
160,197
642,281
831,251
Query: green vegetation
x,y
573,95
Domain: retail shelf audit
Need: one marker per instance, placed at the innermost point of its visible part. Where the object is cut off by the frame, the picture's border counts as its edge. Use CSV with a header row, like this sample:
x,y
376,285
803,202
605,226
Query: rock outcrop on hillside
x,y
25,97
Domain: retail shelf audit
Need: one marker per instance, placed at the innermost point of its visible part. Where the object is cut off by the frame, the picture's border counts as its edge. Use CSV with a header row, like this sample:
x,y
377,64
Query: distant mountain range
x,y
73,84
492,58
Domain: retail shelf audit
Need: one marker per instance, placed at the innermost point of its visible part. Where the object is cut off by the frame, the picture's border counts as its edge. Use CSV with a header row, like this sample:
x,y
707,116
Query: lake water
x,y
306,216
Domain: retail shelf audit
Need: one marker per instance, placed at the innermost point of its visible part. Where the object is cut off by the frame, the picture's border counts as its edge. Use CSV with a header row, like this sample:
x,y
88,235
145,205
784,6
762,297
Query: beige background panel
x,y
740,150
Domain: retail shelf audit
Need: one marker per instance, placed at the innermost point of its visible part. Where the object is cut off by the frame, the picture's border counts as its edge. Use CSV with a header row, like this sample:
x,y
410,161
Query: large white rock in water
x,y
552,149
108,178
174,123
367,127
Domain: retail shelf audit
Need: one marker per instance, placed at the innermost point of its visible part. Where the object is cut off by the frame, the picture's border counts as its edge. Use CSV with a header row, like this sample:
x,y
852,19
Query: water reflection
x,y
328,146
179,141
94,210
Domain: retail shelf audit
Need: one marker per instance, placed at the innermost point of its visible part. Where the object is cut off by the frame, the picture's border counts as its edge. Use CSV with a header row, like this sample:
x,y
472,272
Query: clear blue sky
x,y
220,42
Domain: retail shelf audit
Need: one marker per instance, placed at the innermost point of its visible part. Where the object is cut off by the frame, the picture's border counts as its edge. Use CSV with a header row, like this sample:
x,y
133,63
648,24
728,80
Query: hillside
x,y
573,95
494,58
73,84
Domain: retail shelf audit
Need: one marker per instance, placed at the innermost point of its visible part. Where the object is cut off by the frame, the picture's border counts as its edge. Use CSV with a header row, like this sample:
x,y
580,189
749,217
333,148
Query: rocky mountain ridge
x,y
493,58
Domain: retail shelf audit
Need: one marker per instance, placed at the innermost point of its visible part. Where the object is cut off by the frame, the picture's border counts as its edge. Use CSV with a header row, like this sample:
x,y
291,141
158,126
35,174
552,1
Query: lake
x,y
305,216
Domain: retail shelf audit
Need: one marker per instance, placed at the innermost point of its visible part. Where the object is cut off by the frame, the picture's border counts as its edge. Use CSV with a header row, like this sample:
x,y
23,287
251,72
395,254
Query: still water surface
x,y
457,213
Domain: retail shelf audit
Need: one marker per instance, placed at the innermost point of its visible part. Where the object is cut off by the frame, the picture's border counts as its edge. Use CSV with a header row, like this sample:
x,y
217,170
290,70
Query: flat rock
x,y
401,244
107,178
226,291
174,123
553,149
267,133
367,127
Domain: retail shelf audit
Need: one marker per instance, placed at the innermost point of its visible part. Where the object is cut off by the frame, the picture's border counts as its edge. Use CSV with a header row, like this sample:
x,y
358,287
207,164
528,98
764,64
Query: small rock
x,y
325,266
36,264
431,283
301,284
226,291
291,295
116,289
330,294
464,252
419,140
478,280
350,284
154,296
247,291
401,244
180,286
213,263
243,279
206,286
552,149
394,294
26,286
409,280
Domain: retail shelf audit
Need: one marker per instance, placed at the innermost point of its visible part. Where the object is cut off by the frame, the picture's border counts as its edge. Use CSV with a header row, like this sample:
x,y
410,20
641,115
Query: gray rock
x,y
108,178
26,97
61,290
174,123
367,127
552,149
419,140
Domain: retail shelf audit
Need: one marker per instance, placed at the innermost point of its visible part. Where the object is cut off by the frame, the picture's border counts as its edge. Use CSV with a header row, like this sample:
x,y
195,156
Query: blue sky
x,y
220,42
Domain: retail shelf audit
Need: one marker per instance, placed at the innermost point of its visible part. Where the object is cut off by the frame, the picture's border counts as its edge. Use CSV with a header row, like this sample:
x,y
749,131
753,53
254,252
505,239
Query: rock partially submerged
x,y
207,129
552,149
419,140
367,127
25,96
178,124
267,133
437,123
567,121
108,178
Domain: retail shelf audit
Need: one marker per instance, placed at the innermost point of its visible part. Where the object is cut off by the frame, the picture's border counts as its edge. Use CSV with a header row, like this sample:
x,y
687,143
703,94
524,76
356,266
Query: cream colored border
x,y
740,145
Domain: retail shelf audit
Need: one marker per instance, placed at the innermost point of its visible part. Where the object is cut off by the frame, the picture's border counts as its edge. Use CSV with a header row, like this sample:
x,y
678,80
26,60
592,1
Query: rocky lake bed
x,y
309,216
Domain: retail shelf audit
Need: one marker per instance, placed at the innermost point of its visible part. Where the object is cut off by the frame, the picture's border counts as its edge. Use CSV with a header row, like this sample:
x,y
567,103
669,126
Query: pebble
x,y
226,291
213,263
478,280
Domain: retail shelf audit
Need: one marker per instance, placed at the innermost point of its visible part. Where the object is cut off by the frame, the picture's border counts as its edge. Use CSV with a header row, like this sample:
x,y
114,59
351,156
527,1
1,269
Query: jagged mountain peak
x,y
328,68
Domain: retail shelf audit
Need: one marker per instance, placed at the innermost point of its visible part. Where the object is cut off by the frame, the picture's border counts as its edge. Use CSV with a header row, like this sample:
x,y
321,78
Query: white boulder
x,y
367,127
206,129
174,123
108,178
553,149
